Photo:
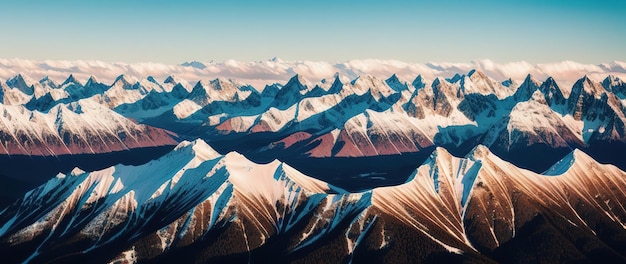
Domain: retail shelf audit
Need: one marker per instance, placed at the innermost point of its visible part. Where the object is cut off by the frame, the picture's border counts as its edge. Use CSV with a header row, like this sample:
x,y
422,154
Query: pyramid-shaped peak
x,y
92,80
549,84
418,83
22,83
172,79
396,84
530,83
588,86
550,81
223,84
70,79
337,85
299,80
18,80
123,79
530,80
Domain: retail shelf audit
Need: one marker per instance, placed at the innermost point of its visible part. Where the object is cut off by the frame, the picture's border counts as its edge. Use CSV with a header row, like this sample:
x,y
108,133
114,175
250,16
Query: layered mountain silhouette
x,y
460,169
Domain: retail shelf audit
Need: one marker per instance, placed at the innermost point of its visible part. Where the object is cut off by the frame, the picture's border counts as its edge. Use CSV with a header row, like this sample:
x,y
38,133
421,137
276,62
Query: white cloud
x,y
259,73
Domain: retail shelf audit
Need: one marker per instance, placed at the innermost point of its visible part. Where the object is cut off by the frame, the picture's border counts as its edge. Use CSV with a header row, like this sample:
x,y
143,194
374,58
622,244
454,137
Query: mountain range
x,y
466,168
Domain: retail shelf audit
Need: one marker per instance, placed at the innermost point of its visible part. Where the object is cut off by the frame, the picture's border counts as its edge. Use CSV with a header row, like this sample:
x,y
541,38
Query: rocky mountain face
x,y
460,169
194,204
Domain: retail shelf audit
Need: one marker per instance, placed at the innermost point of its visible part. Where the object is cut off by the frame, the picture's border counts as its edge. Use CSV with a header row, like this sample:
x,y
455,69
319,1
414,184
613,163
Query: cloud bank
x,y
260,73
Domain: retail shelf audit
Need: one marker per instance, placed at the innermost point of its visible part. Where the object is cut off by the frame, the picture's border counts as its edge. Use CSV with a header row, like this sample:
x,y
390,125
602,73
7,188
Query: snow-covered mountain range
x,y
353,169
195,204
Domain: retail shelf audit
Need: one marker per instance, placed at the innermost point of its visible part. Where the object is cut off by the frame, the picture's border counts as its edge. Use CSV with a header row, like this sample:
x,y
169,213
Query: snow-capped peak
x,y
200,148
396,84
566,163
172,79
194,64
457,77
479,76
21,83
588,86
480,152
91,81
418,83
299,81
71,79
125,81
47,81
336,86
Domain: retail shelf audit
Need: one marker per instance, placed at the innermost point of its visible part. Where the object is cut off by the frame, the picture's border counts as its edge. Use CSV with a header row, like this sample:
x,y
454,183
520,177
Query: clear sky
x,y
415,31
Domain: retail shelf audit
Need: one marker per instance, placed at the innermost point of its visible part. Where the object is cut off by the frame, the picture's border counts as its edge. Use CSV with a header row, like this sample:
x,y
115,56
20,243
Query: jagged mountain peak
x,y
587,86
298,81
22,83
418,83
172,79
477,74
479,153
527,88
223,84
615,85
439,81
550,82
336,86
457,77
200,148
396,84
46,81
552,92
124,80
92,80
71,80
531,81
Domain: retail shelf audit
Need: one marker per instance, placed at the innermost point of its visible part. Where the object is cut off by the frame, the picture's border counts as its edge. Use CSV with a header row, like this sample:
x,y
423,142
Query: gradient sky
x,y
413,31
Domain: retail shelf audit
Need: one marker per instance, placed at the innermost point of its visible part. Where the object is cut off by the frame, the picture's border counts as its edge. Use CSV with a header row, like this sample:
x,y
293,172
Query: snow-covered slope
x,y
76,128
351,118
195,203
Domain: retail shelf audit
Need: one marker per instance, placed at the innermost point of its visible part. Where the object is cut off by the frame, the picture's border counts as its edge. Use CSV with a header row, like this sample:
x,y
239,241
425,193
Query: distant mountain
x,y
466,168
194,64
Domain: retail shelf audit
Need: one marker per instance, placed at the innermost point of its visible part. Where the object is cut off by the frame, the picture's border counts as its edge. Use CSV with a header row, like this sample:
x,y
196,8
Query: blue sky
x,y
413,31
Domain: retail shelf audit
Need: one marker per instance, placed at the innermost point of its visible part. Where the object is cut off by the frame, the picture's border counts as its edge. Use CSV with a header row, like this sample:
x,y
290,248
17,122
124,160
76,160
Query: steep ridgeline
x,y
36,146
368,130
319,124
194,204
